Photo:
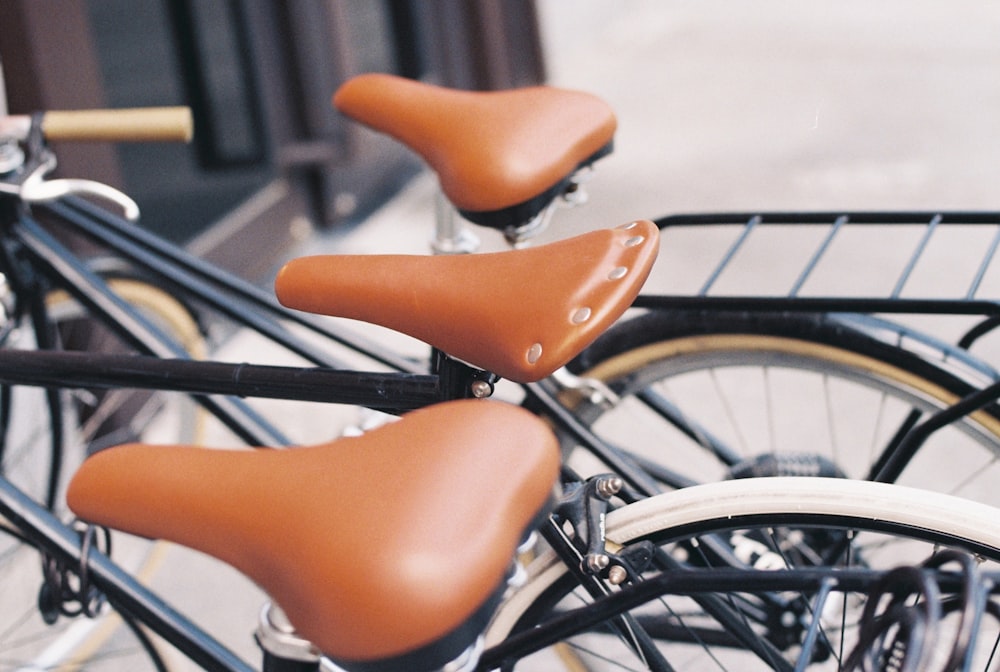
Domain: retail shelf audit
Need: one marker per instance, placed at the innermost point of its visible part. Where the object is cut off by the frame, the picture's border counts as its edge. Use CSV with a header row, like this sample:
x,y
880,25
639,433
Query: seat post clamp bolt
x,y
481,389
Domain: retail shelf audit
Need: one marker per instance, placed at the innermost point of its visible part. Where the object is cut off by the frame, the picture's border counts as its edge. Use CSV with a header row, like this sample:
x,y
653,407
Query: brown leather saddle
x,y
520,314
500,156
392,544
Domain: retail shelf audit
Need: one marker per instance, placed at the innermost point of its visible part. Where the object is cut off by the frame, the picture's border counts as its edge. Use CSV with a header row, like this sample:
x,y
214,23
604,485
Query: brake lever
x,y
36,189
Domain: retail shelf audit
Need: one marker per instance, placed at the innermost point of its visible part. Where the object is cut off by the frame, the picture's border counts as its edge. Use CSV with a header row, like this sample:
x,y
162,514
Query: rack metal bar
x,y
730,253
984,265
819,304
911,264
838,224
824,217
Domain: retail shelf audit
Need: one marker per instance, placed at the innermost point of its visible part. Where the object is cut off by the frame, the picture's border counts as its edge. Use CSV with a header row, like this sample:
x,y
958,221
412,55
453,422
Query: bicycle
x,y
72,563
41,270
867,336
162,262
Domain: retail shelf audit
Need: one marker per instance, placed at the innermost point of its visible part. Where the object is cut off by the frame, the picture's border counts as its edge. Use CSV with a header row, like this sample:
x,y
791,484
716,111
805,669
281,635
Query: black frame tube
x,y
690,582
386,391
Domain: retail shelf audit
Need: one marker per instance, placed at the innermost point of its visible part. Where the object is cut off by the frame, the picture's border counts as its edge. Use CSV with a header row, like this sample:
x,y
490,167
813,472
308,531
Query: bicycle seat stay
x,y
500,156
391,546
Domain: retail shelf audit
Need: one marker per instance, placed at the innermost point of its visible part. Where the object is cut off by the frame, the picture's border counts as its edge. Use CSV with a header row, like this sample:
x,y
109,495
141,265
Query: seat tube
x,y
284,650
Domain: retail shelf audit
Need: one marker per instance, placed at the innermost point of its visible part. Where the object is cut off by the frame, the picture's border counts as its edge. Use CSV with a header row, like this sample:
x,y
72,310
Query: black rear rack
x,y
898,262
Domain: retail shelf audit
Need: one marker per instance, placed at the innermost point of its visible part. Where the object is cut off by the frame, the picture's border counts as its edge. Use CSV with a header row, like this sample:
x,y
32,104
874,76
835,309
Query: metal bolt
x,y
596,562
609,486
480,389
617,575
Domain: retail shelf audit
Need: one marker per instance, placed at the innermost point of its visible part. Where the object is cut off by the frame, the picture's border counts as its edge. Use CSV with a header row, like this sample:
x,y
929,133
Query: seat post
x,y
284,650
451,234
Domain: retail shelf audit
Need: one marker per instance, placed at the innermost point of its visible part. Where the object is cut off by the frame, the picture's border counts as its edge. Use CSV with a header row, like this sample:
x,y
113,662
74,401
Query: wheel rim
x,y
790,522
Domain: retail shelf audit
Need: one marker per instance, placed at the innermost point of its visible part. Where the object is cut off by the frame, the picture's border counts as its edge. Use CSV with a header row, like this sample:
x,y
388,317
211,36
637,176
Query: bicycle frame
x,y
409,385
167,367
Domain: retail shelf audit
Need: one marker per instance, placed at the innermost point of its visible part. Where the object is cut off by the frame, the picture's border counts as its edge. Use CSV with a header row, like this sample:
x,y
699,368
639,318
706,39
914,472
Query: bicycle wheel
x,y
706,396
90,420
769,524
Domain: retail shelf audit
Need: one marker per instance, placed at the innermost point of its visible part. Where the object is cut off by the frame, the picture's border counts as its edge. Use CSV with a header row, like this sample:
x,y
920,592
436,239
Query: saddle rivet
x,y
581,315
617,273
534,353
634,240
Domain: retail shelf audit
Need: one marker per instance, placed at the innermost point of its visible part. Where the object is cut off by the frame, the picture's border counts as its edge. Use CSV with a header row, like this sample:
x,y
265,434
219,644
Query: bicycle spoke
x,y
729,412
830,417
767,394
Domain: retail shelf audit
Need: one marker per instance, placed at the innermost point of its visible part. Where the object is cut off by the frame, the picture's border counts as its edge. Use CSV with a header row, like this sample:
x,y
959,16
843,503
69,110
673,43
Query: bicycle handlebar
x,y
149,124
141,124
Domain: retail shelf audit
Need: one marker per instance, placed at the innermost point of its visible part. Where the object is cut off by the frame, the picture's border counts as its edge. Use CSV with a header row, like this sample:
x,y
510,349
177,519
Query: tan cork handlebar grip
x,y
148,124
